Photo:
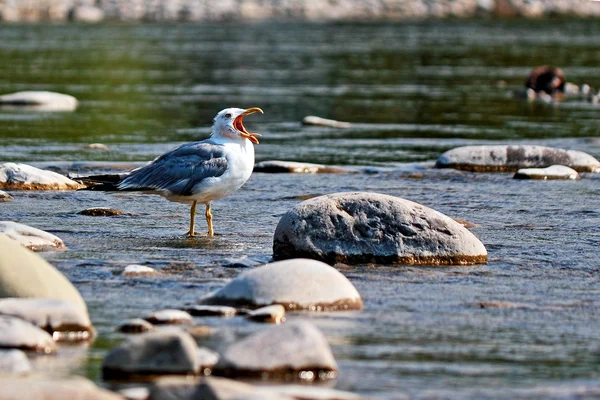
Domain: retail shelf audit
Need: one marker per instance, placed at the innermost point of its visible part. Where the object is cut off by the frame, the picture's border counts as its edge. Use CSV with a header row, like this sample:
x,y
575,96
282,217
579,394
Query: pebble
x,y
211,311
62,319
274,314
330,123
52,388
14,362
30,237
168,351
5,196
134,270
25,274
295,284
15,176
97,146
135,325
170,317
292,351
16,333
553,172
39,101
292,167
363,227
101,212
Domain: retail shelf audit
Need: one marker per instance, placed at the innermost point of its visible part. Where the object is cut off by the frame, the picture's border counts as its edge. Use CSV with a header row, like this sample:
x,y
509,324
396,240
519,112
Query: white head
x,y
228,124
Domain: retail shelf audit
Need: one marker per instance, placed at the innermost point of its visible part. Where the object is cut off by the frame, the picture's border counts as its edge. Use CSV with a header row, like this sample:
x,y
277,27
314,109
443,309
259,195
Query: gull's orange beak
x,y
237,123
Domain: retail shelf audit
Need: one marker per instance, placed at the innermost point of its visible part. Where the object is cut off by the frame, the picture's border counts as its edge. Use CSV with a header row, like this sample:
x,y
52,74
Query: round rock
x,y
295,284
16,333
139,270
360,227
32,238
170,317
5,196
293,167
62,319
14,362
554,172
25,274
511,158
295,350
39,101
136,325
25,177
160,352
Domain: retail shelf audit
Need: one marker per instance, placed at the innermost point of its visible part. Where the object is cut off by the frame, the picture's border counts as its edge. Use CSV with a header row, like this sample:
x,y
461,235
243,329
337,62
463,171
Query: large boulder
x,y
361,227
25,274
16,333
295,350
299,284
511,158
39,101
30,237
52,388
15,176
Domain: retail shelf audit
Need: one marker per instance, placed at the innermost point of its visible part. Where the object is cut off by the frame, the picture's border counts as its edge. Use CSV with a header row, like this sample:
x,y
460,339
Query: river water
x,y
525,325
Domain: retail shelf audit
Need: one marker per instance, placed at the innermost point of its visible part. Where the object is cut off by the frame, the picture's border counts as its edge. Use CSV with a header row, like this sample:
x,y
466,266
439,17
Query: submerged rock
x,y
139,270
60,318
511,158
276,166
330,123
295,284
14,362
39,101
25,274
52,388
292,351
100,212
161,352
5,196
169,317
16,333
274,314
32,238
135,325
362,227
552,172
25,177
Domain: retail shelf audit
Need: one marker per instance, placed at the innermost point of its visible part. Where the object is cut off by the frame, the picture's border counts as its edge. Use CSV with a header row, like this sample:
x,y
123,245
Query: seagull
x,y
197,172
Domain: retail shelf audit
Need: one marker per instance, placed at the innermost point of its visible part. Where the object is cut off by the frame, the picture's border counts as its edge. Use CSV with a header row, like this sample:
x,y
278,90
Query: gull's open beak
x,y
237,123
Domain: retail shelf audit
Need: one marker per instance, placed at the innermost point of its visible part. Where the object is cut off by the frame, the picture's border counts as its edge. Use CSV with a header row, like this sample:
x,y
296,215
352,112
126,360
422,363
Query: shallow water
x,y
413,91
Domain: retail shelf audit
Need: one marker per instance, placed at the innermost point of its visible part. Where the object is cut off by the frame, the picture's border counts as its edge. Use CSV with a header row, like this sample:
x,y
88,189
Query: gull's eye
x,y
227,115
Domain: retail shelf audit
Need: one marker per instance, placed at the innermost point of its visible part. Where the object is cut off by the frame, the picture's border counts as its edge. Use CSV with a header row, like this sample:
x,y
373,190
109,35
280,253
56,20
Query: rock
x,y
39,101
306,392
32,238
139,270
170,317
97,146
62,319
330,123
200,331
362,227
552,172
25,274
295,284
293,167
135,393
294,350
207,359
25,177
511,158
136,325
211,311
274,314
101,212
14,362
86,13
212,388
52,388
16,333
5,196
168,351
247,262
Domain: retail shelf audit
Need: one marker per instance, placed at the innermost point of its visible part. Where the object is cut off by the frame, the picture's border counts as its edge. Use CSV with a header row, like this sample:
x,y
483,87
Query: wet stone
x,y
135,325
362,227
101,212
139,270
16,333
554,172
97,146
292,167
330,123
274,314
30,237
170,317
25,177
5,196
39,101
211,311
292,351
52,388
295,284
161,352
14,362
511,158
62,319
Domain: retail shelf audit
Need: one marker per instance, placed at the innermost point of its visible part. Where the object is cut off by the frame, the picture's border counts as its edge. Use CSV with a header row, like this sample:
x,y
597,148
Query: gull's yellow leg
x,y
209,220
192,218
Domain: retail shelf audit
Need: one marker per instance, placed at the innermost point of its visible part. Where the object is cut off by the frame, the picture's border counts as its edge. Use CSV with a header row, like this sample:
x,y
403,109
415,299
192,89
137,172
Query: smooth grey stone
x,y
554,172
511,158
295,284
134,270
30,237
135,325
294,350
15,176
211,311
161,352
52,388
274,314
170,317
4,197
62,319
14,362
362,227
276,166
16,333
25,274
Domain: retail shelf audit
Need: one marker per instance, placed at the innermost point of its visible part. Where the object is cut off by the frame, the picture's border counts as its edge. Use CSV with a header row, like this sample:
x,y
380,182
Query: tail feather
x,y
106,182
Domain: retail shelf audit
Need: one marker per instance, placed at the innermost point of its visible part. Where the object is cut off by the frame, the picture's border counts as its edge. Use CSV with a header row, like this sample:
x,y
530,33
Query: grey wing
x,y
179,170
